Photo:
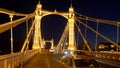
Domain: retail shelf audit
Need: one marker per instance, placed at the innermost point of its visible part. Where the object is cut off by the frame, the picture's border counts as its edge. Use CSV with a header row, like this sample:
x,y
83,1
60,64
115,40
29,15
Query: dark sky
x,y
53,25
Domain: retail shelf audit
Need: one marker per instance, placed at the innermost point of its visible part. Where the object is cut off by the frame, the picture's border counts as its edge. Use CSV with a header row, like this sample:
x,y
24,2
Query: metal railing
x,y
114,56
16,59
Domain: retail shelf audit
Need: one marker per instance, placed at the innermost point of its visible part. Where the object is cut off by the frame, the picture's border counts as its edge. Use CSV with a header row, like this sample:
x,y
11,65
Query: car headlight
x,y
71,52
65,52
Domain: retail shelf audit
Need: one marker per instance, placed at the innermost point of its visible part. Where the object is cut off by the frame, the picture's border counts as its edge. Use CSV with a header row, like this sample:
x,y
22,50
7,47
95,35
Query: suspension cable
x,y
4,27
78,35
26,43
26,27
63,35
27,32
5,11
86,27
83,17
117,37
65,40
85,41
98,33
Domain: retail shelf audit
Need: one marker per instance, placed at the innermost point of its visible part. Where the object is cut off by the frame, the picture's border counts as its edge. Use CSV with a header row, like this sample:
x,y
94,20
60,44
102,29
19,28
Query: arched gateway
x,y
39,13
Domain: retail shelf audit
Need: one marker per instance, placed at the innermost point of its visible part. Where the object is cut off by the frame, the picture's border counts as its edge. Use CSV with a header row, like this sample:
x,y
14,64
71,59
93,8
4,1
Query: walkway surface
x,y
44,60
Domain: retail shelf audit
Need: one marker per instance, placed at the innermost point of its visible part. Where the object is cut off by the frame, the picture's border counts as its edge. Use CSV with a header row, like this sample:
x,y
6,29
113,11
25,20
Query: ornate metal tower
x,y
71,29
37,43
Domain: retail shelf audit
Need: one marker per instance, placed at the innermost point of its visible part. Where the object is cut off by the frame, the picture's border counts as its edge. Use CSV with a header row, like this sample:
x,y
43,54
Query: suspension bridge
x,y
75,31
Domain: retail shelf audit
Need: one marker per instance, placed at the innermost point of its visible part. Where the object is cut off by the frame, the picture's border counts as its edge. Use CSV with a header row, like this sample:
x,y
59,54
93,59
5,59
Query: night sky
x,y
53,25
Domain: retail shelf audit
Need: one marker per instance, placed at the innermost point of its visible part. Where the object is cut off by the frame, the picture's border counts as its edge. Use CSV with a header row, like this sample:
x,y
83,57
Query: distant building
x,y
107,47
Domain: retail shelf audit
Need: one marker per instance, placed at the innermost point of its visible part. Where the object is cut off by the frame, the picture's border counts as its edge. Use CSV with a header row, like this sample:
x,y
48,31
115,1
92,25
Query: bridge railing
x,y
114,56
16,59
109,55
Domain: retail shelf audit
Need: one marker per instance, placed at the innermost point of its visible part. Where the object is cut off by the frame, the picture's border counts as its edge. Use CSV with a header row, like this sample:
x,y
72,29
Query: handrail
x,y
16,59
114,56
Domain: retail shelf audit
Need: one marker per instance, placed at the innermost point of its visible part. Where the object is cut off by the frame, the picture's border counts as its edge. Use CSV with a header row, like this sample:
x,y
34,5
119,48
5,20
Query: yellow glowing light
x,y
39,6
71,30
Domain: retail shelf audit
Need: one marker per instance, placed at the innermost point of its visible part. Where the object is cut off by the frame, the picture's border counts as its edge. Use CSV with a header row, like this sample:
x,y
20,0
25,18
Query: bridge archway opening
x,y
52,26
48,45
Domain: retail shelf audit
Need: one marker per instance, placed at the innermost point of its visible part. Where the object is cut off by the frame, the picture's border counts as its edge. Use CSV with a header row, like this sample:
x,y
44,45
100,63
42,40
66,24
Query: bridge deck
x,y
49,60
43,61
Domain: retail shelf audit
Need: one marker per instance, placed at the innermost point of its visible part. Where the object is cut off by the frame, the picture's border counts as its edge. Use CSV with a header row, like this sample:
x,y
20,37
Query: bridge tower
x,y
37,43
52,44
71,21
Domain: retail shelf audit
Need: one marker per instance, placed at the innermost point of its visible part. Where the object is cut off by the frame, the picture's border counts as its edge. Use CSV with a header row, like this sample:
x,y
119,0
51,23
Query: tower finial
x,y
71,4
71,9
39,2
39,5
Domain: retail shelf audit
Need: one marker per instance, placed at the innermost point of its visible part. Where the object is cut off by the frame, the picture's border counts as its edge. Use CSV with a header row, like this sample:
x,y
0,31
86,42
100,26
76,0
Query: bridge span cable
x,y
101,35
96,35
117,37
77,42
64,35
83,17
5,11
29,35
4,27
86,28
26,27
84,39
